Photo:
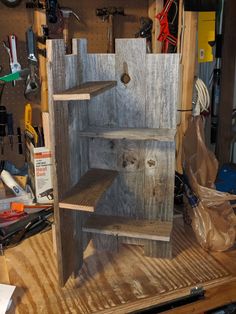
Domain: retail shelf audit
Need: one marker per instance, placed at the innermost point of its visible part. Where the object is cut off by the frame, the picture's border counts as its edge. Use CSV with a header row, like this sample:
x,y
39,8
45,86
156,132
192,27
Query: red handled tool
x,y
165,36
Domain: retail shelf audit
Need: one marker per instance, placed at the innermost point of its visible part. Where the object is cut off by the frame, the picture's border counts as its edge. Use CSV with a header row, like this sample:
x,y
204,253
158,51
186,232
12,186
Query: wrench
x,y
12,52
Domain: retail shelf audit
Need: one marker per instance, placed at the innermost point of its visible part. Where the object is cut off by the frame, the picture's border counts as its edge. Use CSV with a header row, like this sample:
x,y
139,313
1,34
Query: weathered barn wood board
x,y
111,283
133,228
142,134
85,91
64,73
102,109
89,190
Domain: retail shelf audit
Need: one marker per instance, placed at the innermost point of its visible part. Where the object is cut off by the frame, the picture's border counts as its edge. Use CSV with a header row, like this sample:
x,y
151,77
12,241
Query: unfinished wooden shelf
x,y
128,227
86,194
85,91
163,135
128,130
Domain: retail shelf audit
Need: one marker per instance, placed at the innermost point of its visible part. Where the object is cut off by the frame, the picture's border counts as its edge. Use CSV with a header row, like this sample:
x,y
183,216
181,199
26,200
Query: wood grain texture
x,y
130,98
162,135
162,82
155,7
102,109
89,190
114,283
4,276
134,228
84,91
102,112
188,62
63,127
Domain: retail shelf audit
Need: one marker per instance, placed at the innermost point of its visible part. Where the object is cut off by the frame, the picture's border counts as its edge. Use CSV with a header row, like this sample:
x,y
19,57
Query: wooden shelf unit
x,y
114,155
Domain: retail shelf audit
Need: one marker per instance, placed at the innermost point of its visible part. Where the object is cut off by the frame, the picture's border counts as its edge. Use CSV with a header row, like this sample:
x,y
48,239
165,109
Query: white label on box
x,y
43,178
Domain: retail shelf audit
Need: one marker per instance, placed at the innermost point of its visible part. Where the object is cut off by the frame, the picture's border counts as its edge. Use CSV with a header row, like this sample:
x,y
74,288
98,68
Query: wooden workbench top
x,y
119,283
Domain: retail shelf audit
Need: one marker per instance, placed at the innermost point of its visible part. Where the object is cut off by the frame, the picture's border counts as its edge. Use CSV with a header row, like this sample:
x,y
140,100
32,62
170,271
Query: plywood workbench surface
x,y
119,283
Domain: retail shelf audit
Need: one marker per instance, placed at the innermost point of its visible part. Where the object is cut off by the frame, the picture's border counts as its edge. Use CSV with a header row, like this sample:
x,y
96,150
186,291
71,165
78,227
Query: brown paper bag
x,y
213,218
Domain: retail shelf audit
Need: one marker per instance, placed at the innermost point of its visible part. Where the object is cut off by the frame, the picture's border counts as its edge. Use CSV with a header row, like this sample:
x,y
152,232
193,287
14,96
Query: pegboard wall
x,y
17,20
95,30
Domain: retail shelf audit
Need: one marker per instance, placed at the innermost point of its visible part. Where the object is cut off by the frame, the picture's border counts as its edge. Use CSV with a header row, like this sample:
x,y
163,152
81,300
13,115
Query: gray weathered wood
x,y
162,135
66,154
85,91
85,195
130,98
129,128
162,80
128,227
102,110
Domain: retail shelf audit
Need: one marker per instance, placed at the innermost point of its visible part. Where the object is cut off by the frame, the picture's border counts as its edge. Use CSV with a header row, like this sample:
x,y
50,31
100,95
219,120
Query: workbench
x,y
119,283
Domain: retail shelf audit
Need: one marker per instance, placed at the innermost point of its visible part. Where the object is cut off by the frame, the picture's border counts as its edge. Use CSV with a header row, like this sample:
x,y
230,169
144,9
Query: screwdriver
x,y
3,123
10,131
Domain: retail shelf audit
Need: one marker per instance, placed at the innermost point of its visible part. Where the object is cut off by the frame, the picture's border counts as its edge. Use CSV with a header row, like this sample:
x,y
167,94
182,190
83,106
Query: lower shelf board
x,y
90,188
128,227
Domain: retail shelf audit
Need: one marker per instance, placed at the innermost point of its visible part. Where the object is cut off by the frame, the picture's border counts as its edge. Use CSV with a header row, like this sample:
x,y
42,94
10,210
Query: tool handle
x,y
31,46
28,115
10,130
3,121
12,44
20,148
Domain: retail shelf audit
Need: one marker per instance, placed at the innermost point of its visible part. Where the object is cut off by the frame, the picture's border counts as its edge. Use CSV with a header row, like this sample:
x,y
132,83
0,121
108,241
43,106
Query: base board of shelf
x,y
129,227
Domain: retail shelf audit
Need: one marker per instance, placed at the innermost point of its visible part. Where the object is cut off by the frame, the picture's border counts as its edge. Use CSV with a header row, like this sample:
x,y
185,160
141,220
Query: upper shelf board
x,y
85,91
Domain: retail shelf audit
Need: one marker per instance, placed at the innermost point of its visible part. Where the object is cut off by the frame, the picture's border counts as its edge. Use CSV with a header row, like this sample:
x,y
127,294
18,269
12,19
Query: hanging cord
x,y
201,98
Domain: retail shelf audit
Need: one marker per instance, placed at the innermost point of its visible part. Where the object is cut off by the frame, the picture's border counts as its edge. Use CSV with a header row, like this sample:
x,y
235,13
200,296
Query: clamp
x,y
165,36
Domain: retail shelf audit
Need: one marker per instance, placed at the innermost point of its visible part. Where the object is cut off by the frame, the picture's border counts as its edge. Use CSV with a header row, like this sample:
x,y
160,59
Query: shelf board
x,y
90,188
163,135
128,227
85,91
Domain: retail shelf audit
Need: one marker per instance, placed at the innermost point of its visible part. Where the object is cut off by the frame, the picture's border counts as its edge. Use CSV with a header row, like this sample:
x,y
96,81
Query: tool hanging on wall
x,y
10,129
146,31
11,3
66,13
167,28
29,129
21,75
12,52
32,84
107,14
3,118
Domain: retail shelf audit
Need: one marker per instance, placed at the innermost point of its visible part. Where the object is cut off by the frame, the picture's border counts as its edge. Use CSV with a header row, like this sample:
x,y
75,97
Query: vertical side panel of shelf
x,y
61,75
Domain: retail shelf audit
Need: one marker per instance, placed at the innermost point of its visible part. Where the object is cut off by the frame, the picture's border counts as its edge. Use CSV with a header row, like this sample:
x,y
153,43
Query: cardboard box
x,y
40,172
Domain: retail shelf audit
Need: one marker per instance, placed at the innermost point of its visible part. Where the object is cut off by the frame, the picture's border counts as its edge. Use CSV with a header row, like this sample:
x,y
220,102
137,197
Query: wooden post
x,y
155,6
40,19
228,86
188,71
